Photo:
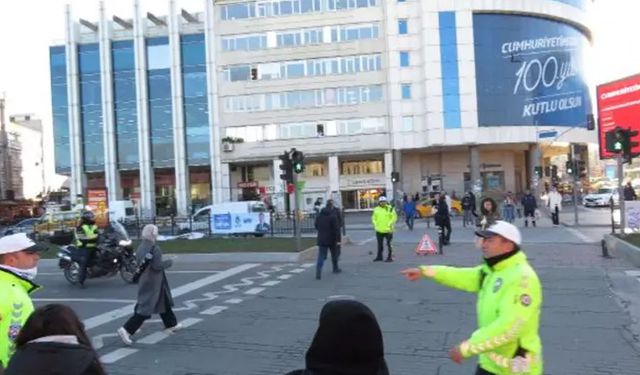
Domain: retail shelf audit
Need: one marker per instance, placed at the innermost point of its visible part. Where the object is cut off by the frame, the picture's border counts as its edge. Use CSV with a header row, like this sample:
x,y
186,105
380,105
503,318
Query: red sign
x,y
248,184
97,199
291,188
618,106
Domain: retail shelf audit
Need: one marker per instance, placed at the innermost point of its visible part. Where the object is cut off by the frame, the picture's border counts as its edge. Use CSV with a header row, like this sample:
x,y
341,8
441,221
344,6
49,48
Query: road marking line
x,y
298,270
234,301
307,265
105,300
580,235
285,277
116,355
254,291
365,241
112,315
271,283
98,341
213,310
633,273
168,272
156,337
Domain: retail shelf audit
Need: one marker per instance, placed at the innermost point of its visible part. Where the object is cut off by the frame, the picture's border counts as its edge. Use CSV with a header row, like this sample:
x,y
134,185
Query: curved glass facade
x,y
91,106
194,90
60,109
124,103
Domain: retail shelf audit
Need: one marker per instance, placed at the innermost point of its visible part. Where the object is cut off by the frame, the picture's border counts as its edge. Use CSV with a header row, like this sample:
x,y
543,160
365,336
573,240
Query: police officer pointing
x,y
19,257
508,306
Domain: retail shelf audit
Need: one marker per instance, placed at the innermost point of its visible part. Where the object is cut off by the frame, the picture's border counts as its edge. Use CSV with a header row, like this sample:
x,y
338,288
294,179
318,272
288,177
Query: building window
x,y
407,123
362,167
406,91
404,59
314,170
403,27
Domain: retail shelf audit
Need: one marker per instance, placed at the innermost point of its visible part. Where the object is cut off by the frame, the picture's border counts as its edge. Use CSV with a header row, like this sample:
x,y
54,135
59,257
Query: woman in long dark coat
x,y
154,294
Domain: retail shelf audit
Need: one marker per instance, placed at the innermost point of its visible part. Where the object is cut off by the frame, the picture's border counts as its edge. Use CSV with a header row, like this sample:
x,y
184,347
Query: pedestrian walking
x,y
154,294
529,205
508,208
488,213
53,341
348,342
19,256
473,204
554,203
409,208
384,220
629,193
467,210
508,306
442,218
327,225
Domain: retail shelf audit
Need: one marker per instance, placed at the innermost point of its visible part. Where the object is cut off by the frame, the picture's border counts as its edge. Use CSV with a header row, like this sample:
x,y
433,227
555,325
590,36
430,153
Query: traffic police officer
x,y
18,268
87,235
508,306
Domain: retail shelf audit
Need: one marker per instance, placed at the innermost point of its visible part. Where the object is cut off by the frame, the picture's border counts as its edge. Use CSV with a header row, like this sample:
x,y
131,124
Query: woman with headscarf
x,y
154,294
348,342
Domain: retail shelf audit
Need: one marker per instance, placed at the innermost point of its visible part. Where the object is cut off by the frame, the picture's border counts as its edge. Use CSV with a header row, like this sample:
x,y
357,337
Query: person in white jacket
x,y
555,205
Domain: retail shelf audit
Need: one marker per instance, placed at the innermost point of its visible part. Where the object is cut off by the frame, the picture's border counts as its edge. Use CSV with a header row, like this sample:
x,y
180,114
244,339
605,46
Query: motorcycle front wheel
x,y
72,273
128,269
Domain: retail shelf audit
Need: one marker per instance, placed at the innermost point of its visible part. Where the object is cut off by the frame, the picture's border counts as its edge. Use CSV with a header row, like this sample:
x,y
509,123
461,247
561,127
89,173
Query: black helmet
x,y
88,216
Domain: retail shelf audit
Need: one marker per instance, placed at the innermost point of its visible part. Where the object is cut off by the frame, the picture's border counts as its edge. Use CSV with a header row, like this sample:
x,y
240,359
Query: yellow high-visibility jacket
x,y
384,219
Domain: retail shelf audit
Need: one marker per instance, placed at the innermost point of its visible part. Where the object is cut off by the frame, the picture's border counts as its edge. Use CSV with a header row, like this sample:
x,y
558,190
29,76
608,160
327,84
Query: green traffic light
x,y
298,167
617,146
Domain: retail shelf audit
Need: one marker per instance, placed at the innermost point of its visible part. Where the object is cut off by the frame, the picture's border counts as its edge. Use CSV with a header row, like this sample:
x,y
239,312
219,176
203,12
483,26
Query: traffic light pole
x,y
576,176
623,221
297,213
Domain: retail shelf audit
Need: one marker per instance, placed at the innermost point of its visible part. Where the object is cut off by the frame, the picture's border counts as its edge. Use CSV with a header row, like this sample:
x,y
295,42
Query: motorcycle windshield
x,y
119,229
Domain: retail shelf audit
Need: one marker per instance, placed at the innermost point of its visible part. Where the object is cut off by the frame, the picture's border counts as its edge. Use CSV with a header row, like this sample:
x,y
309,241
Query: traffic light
x,y
297,161
285,167
538,171
614,140
569,167
628,145
395,177
581,169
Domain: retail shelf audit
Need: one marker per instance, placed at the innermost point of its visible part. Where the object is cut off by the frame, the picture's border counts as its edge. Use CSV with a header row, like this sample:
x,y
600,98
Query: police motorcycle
x,y
115,254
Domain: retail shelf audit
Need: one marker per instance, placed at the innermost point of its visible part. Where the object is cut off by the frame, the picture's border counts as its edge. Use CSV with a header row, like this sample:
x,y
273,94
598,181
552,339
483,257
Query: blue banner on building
x,y
529,71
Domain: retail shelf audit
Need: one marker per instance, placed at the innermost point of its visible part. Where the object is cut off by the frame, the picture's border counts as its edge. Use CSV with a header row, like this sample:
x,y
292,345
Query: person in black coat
x,y
53,341
327,225
348,342
529,205
443,219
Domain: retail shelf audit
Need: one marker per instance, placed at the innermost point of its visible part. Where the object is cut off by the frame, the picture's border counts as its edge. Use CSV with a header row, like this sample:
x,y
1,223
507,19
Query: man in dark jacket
x,y
467,210
529,204
443,219
328,238
629,193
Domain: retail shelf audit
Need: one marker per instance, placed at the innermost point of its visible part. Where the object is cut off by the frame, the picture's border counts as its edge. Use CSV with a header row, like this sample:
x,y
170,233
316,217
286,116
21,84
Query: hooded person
x,y
53,341
348,342
488,213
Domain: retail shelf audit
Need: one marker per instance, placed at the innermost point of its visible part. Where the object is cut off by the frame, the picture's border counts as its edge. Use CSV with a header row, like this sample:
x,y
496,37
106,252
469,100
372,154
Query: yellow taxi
x,y
425,209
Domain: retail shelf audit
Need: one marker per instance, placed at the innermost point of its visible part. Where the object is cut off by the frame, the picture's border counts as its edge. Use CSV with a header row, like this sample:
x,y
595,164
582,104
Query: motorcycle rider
x,y
87,236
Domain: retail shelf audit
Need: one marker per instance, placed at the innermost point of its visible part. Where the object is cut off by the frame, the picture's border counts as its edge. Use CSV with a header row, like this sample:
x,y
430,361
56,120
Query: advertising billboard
x,y
98,201
529,72
618,105
230,223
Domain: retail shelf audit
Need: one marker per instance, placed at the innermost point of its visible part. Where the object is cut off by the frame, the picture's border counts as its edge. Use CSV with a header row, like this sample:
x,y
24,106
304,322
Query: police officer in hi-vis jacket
x,y
508,307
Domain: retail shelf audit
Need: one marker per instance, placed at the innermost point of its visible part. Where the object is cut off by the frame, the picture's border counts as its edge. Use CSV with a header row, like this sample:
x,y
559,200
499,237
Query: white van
x,y
200,219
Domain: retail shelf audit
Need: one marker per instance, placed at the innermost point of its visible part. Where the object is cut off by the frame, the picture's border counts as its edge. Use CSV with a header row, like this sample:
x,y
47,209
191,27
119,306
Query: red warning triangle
x,y
426,246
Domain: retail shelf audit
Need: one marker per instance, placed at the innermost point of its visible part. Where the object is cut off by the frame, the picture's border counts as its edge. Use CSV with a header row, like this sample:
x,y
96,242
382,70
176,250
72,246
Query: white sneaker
x,y
125,336
175,328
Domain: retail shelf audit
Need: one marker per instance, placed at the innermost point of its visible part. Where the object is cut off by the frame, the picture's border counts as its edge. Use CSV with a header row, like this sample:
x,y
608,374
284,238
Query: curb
x,y
615,247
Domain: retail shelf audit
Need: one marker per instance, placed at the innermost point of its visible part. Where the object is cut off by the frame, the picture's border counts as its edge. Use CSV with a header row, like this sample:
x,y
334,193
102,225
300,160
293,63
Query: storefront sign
x,y
354,182
618,105
530,71
248,184
97,200
230,223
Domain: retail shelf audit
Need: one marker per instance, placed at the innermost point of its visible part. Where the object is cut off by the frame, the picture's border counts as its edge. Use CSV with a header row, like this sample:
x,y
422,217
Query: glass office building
x,y
181,110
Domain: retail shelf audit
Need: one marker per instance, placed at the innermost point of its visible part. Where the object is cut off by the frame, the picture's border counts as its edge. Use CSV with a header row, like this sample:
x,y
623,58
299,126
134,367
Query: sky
x,y
29,27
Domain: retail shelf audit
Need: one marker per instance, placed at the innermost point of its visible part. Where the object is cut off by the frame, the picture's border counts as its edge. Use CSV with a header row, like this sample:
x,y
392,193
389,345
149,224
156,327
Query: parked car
x,y
24,226
601,198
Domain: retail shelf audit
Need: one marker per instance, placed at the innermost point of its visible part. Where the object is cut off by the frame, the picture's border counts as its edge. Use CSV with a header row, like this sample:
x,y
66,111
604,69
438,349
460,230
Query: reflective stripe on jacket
x,y
15,308
384,219
88,235
508,312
